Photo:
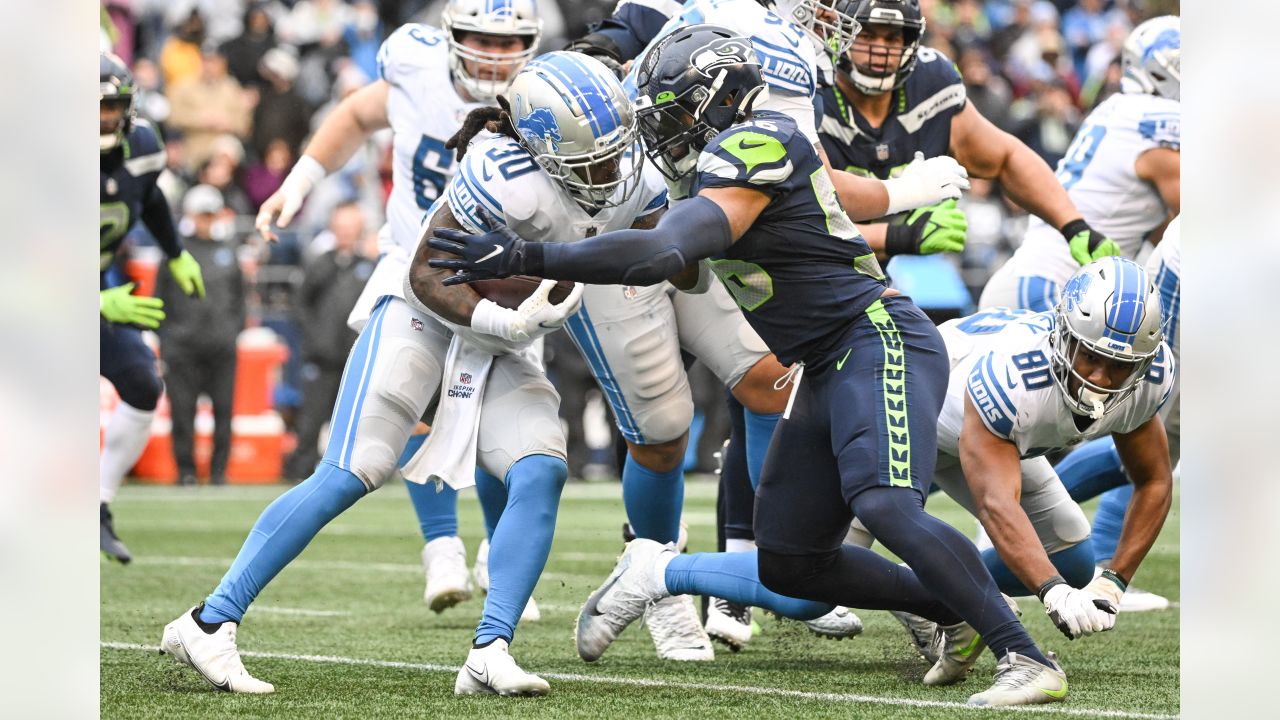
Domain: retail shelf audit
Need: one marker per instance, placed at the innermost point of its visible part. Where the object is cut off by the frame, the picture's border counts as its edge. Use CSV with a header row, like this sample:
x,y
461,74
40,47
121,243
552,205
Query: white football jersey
x,y
1165,265
1000,360
1098,173
788,61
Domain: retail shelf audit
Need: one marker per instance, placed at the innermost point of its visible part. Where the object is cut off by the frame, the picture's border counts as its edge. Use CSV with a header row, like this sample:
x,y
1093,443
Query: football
x,y
510,292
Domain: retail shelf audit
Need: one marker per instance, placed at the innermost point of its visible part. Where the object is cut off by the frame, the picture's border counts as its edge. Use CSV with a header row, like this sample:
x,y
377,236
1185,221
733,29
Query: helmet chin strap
x,y
1096,400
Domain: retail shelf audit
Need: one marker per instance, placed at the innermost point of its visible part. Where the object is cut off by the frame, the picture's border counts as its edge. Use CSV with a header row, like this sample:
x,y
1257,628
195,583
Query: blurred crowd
x,y
237,86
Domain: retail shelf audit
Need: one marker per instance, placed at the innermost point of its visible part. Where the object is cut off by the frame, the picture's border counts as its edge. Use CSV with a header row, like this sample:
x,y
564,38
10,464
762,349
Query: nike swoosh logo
x,y
594,601
482,676
840,362
497,250
1056,694
968,650
554,326
1008,377
484,171
742,144
224,686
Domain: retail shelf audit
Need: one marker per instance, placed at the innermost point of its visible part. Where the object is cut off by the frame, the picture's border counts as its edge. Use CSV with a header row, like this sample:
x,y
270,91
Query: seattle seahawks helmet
x,y
697,81
1152,58
1110,308
115,91
489,17
831,23
573,116
904,14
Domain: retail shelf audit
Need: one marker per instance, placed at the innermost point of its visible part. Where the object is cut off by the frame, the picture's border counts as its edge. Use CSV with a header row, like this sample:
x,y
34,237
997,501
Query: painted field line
x,y
303,612
345,565
703,687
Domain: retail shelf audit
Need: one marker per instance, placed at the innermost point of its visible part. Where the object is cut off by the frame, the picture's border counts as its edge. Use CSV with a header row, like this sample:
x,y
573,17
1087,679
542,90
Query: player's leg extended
x,y
126,361
444,557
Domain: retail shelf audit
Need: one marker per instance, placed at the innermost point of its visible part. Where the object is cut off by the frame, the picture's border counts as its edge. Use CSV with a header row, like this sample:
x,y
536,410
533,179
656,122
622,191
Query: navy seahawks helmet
x,y
904,14
697,81
115,90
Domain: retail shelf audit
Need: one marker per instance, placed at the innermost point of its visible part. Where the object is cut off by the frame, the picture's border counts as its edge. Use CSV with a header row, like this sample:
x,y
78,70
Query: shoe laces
x,y
675,621
1011,675
740,614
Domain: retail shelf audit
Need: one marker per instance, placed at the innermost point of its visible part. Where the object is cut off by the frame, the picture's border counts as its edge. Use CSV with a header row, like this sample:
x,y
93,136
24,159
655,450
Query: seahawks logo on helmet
x,y
724,52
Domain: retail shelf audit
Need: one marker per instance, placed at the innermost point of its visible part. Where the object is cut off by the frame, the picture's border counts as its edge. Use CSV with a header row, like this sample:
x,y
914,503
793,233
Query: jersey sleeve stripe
x,y
984,401
154,162
658,202
481,195
1009,407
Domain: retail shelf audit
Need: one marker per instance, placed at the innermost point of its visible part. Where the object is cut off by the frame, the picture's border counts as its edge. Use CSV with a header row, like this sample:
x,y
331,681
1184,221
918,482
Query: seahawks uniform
x,y
812,288
1098,174
919,120
1000,360
424,109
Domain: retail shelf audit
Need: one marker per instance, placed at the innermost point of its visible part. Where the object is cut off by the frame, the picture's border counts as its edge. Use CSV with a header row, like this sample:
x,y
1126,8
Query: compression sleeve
x,y
688,232
632,26
158,219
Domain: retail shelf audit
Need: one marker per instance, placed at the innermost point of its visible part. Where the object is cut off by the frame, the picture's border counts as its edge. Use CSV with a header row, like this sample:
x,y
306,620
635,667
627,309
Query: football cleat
x,y
838,624
957,648
623,598
728,623
107,540
1023,681
444,561
491,670
922,633
213,655
677,630
480,575
1137,600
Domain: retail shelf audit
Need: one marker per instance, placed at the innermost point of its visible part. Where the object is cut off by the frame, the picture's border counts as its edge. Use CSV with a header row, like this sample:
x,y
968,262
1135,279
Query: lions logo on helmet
x,y
540,124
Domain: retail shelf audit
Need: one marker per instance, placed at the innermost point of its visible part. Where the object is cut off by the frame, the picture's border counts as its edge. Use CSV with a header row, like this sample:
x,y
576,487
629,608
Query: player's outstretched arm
x,y
342,132
923,183
1145,456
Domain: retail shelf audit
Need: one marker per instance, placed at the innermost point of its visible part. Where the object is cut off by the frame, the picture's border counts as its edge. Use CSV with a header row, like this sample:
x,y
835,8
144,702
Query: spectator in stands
x,y
209,106
281,113
363,37
148,97
1054,123
329,290
180,57
1082,26
243,53
988,92
265,176
198,337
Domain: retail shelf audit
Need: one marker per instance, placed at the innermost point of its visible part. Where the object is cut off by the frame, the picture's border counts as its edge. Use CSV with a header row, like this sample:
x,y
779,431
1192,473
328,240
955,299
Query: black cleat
x,y
107,539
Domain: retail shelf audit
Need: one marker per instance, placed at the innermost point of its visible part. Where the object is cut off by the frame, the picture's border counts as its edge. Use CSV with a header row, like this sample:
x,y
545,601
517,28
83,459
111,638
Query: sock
x,y
437,509
1075,565
653,500
734,577
735,545
736,491
759,434
521,543
279,535
493,500
1108,522
690,462
123,440
1091,470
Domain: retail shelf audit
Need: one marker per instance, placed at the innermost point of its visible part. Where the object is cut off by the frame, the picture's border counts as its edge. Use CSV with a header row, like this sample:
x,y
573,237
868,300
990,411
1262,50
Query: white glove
x,y
535,317
285,202
926,182
1110,590
1078,612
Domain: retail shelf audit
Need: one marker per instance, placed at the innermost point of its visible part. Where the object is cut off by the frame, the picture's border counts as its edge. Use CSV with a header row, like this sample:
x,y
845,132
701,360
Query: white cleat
x,y
480,575
444,561
838,624
623,598
922,633
1138,600
728,623
214,656
491,670
677,630
957,648
1023,681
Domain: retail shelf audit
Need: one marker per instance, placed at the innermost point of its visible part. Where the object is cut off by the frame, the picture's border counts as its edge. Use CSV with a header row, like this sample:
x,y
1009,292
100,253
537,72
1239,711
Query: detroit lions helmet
x,y
489,17
697,81
575,119
1110,308
831,23
115,91
904,14
1152,58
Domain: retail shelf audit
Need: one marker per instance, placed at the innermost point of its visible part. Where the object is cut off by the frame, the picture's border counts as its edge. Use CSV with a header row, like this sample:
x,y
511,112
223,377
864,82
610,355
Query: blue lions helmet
x,y
1152,58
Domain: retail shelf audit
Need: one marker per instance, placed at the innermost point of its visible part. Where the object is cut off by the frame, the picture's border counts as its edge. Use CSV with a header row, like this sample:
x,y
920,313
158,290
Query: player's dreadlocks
x,y
493,119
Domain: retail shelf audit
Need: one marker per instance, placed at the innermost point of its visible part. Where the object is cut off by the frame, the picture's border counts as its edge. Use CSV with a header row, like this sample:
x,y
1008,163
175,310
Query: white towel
x,y
449,454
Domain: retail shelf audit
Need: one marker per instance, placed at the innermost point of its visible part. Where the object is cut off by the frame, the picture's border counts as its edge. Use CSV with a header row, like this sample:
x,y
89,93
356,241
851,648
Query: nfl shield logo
x,y
465,378
629,292
882,152
416,324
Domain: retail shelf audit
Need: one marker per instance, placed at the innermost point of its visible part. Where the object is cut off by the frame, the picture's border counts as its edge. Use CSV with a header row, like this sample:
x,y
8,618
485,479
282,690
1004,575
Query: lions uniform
x,y
919,120
1000,360
1099,176
1165,264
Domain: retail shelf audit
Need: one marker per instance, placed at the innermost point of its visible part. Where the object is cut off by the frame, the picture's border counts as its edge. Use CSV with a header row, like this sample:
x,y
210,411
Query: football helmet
x,y
573,116
489,17
1151,58
898,13
831,23
697,81
1111,308
115,90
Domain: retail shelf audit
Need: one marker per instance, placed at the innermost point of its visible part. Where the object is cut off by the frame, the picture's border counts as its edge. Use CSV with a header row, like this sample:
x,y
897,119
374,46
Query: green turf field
x,y
343,632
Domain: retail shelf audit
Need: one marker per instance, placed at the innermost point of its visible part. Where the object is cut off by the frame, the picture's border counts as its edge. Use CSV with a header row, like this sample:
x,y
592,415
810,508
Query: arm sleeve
x,y
158,219
688,232
632,26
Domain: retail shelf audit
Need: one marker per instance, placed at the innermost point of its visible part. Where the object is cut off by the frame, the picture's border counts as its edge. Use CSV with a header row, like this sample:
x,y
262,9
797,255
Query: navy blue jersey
x,y
802,273
128,192
919,118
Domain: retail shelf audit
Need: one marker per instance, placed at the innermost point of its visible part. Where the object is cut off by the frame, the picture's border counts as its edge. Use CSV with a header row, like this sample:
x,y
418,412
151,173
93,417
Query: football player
x,y
131,156
428,81
860,431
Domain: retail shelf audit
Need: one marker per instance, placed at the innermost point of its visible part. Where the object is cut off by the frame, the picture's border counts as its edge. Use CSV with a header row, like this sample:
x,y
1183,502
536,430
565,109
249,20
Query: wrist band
x,y
1074,228
1114,577
1048,585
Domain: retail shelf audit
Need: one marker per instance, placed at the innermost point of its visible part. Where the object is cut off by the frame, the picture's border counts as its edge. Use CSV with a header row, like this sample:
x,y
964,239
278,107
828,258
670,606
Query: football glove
x,y
928,230
120,305
926,182
1077,613
1088,244
1109,587
535,317
496,254
186,271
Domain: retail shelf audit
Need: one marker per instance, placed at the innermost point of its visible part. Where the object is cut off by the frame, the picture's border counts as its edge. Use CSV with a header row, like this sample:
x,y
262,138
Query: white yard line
x,y
703,687
345,565
303,612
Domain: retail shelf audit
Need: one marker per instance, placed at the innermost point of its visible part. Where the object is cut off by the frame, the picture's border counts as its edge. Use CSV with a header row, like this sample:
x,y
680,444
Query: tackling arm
x,y
1145,455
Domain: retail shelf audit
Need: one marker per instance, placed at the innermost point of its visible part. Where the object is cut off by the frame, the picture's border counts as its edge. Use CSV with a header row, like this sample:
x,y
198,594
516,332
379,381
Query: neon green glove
x,y
1086,243
186,271
120,305
928,230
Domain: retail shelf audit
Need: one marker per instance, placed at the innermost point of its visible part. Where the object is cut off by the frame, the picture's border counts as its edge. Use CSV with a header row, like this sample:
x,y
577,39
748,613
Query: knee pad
x,y
1067,527
519,418
790,575
401,383
139,386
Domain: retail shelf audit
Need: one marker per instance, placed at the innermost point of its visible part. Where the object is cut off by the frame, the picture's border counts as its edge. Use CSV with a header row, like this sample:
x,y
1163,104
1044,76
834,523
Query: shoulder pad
x,y
500,176
756,152
411,47
146,149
